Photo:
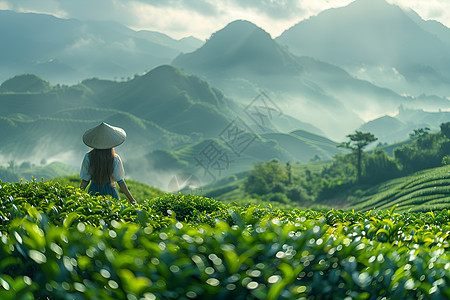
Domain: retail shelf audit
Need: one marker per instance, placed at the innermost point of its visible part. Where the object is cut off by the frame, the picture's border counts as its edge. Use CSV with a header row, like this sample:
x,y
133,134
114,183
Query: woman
x,y
101,166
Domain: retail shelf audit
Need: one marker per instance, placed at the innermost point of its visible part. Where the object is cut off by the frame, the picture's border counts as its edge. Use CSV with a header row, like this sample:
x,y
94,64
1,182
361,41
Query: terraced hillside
x,y
423,191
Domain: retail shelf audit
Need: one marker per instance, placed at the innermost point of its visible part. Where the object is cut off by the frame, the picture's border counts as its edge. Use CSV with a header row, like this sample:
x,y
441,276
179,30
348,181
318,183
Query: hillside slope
x,y
423,191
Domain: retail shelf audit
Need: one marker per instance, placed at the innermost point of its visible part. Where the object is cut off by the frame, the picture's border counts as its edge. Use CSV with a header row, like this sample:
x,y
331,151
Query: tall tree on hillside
x,y
358,141
289,172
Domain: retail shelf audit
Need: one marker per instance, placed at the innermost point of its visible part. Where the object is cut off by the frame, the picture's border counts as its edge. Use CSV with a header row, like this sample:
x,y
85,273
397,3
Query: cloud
x,y
4,6
180,18
42,6
276,9
202,7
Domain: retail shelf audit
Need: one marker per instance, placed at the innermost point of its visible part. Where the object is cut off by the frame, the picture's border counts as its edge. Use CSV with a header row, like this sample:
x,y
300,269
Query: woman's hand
x,y
83,184
124,188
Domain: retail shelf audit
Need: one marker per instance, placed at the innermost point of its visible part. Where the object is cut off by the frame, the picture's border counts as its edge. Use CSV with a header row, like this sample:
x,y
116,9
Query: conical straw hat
x,y
104,136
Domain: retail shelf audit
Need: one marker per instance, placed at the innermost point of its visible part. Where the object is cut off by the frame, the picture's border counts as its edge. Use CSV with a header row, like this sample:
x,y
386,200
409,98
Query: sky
x,y
200,18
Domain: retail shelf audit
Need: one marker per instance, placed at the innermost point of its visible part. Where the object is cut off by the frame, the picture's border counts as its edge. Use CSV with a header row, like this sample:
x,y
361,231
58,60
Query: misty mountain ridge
x,y
68,50
242,58
372,39
240,46
367,35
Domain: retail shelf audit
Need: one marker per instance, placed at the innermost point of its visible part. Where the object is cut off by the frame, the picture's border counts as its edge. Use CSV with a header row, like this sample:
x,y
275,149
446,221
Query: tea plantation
x,y
57,242
421,191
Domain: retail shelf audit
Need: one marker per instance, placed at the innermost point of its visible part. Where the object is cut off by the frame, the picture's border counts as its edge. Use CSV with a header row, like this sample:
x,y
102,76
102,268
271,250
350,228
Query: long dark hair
x,y
101,163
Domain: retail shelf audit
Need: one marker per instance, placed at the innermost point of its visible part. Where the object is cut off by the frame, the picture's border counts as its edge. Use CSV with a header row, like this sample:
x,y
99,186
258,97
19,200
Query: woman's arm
x,y
124,189
83,184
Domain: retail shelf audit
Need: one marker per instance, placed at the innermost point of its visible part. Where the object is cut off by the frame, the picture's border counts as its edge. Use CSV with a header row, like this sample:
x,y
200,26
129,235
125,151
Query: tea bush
x,y
101,248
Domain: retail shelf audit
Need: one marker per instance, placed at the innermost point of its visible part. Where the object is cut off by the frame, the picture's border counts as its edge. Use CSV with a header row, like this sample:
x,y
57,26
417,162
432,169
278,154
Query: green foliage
x,y
264,255
26,83
378,167
445,129
277,197
275,183
266,177
446,160
419,133
187,208
62,203
426,151
257,253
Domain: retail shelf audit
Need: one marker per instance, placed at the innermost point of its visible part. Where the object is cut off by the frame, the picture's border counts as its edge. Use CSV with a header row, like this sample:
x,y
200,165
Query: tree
x,y
419,133
445,129
378,167
25,165
358,141
289,172
266,177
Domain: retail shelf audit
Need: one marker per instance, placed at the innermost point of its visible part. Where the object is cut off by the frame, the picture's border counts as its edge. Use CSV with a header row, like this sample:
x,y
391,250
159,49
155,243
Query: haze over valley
x,y
242,95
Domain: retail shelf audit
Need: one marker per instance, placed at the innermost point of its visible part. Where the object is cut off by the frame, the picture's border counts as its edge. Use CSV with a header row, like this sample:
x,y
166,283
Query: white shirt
x,y
118,172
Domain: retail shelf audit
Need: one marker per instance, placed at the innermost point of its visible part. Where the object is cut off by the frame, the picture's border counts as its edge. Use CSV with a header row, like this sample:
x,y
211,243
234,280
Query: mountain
x,y
392,129
243,47
379,42
387,129
68,50
174,100
171,119
242,59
